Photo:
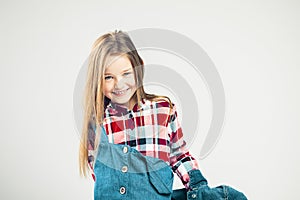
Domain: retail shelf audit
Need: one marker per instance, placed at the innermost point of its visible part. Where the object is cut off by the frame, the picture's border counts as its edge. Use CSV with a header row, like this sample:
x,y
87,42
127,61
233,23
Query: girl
x,y
128,134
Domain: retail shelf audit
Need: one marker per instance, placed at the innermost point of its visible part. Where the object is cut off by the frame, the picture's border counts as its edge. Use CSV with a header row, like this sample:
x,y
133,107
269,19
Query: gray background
x,y
254,45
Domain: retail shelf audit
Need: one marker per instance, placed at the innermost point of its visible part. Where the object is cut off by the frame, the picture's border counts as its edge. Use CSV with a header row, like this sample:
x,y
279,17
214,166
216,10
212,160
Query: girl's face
x,y
119,83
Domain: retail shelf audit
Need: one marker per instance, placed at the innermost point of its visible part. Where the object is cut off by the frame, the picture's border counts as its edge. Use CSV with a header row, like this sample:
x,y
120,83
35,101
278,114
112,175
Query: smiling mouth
x,y
120,92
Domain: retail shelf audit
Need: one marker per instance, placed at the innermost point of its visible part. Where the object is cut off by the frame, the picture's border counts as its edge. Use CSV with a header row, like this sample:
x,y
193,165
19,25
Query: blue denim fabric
x,y
201,191
124,173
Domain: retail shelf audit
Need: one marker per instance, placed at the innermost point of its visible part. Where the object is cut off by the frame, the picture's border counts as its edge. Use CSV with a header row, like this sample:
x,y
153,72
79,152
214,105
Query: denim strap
x,y
103,137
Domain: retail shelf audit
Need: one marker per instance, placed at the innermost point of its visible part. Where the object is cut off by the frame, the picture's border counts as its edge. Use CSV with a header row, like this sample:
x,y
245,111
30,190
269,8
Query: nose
x,y
119,83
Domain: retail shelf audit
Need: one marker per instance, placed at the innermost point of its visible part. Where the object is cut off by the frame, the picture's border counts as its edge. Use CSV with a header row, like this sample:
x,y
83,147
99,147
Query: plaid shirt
x,y
155,133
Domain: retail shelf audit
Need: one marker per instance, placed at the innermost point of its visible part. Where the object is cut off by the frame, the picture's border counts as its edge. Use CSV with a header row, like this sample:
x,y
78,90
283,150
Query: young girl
x,y
124,124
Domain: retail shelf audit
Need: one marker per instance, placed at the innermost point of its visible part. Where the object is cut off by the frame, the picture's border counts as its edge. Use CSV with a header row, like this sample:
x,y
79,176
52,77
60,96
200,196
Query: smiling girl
x,y
132,141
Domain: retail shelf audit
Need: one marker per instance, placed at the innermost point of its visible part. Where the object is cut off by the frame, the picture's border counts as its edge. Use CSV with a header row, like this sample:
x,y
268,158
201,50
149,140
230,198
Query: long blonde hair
x,y
115,43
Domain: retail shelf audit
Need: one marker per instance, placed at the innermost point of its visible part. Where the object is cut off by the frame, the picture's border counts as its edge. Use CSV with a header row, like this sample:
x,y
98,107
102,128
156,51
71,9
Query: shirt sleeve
x,y
181,160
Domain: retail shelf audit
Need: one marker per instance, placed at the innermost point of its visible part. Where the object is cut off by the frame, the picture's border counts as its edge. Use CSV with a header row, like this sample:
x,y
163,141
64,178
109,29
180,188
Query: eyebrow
x,y
122,71
128,69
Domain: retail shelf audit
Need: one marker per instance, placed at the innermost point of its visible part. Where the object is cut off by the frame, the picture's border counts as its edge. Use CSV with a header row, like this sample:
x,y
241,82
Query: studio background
x,y
255,48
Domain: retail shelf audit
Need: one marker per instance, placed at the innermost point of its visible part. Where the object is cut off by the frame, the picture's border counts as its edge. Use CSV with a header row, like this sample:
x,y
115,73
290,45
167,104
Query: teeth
x,y
120,92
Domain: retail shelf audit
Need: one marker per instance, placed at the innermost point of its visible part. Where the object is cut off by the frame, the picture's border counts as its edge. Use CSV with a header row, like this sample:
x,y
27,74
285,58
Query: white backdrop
x,y
254,45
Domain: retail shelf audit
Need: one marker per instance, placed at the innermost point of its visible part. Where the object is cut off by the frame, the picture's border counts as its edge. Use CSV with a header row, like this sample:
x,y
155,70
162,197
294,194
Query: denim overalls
x,y
122,172
201,191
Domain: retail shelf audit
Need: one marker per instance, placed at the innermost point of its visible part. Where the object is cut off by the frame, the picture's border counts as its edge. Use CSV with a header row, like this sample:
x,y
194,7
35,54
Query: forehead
x,y
117,63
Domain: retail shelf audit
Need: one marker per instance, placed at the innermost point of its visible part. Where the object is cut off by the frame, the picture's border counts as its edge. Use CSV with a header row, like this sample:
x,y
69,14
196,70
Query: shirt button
x,y
122,190
124,169
125,149
194,196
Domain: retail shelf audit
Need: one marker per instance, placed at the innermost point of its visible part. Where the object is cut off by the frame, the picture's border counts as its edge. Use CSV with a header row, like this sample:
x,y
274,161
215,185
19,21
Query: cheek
x,y
107,87
131,82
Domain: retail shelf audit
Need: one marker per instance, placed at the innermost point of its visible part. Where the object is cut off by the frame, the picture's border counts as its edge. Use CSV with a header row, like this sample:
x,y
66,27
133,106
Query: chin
x,y
121,101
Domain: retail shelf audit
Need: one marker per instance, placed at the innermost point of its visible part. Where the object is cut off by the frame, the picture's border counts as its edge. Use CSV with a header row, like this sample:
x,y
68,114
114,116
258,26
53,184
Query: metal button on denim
x,y
125,149
124,169
194,196
122,190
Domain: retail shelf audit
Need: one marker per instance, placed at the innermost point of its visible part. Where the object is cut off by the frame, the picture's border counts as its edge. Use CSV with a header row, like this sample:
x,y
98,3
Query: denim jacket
x,y
122,172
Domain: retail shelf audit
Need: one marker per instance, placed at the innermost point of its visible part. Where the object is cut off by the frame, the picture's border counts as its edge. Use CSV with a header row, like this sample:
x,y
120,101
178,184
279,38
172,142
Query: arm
x,y
181,160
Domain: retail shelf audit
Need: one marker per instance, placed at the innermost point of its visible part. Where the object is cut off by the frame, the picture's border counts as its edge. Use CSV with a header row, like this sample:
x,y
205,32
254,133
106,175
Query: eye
x,y
127,73
108,77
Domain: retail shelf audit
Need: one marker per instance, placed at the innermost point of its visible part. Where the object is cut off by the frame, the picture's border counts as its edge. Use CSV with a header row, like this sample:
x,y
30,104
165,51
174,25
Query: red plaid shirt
x,y
155,133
